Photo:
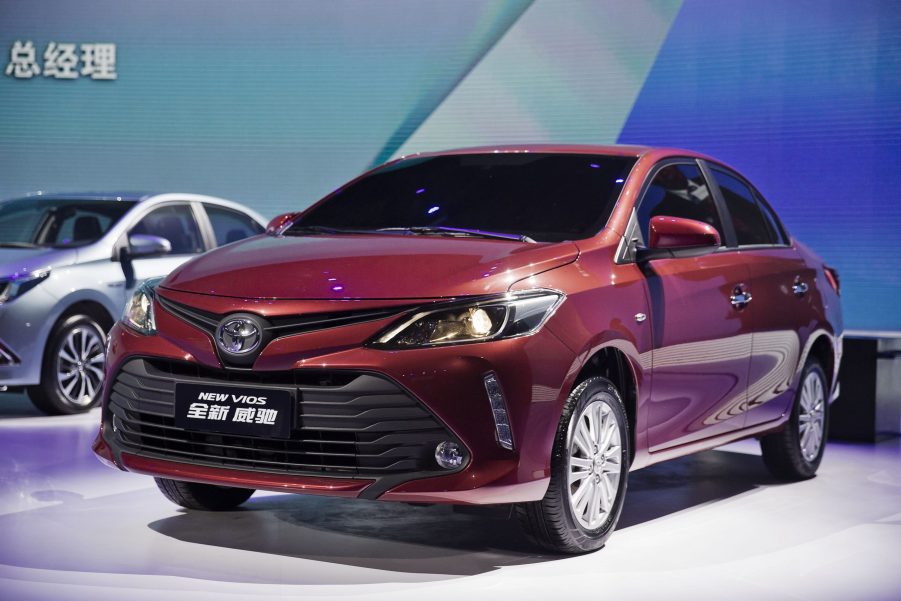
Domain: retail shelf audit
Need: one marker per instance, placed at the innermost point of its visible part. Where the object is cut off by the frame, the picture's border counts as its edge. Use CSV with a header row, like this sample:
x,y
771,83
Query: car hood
x,y
366,267
22,261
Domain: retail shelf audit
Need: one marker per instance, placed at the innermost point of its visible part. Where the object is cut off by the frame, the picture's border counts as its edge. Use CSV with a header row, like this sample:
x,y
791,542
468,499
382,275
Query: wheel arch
x,y
75,304
822,349
91,308
611,362
826,347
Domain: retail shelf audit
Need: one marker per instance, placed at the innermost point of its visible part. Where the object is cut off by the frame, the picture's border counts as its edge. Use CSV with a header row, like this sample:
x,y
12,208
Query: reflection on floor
x,y
711,526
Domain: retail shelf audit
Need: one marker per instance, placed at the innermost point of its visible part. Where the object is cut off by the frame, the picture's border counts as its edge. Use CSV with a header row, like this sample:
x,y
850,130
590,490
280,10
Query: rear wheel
x,y
72,372
589,472
795,452
206,497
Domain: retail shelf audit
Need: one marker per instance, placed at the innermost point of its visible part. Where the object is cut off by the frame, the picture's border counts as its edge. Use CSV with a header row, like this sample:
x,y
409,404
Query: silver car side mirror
x,y
145,245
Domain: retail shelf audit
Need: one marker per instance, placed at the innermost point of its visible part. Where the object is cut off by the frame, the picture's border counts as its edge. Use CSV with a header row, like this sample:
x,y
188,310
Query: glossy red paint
x,y
333,487
374,266
698,371
676,232
103,451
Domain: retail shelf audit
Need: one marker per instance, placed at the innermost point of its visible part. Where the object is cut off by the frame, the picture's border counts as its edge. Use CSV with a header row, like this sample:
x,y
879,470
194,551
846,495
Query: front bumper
x,y
25,324
444,387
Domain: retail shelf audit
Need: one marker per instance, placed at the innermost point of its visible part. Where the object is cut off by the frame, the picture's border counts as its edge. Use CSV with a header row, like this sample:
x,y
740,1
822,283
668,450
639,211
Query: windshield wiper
x,y
302,230
18,245
457,231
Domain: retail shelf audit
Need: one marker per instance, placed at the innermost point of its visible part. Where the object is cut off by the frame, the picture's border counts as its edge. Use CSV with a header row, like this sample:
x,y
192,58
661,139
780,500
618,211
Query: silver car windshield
x,y
49,222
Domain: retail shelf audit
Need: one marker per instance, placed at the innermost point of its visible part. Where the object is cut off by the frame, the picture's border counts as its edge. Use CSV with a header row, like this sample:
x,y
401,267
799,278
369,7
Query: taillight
x,y
832,276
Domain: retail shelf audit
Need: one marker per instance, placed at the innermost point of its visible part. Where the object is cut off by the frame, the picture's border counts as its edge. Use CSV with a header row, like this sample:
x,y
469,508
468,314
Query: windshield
x,y
545,196
58,223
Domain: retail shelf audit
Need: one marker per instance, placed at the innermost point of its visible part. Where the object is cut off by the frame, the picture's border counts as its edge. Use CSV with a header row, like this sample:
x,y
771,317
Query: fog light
x,y
448,455
499,411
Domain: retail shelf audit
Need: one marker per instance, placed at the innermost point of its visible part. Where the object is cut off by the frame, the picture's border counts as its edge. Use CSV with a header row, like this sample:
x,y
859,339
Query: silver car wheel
x,y
595,463
811,416
79,367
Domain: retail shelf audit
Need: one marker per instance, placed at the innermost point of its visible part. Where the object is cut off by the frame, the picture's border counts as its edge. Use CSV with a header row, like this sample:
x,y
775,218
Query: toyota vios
x,y
517,326
68,265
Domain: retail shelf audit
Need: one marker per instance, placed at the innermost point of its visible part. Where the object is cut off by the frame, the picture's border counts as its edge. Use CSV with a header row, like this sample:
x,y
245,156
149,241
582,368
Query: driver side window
x,y
176,224
678,190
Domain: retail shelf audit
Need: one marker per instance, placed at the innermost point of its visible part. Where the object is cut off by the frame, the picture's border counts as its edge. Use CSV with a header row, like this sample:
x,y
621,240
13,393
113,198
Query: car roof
x,y
597,149
141,197
129,196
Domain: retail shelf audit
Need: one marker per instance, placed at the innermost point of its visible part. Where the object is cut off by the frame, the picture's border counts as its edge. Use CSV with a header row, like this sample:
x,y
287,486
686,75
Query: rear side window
x,y
176,224
231,226
751,227
776,231
678,191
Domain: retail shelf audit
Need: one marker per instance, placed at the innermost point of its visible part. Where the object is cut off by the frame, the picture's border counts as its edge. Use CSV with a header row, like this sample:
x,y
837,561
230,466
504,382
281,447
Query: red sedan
x,y
518,326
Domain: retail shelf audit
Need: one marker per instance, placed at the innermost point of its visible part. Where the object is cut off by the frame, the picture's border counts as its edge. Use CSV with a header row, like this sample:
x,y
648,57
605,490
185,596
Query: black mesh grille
x,y
348,423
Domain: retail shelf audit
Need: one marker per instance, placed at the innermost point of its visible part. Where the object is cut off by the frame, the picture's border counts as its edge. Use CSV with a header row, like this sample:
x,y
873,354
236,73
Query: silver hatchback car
x,y
68,262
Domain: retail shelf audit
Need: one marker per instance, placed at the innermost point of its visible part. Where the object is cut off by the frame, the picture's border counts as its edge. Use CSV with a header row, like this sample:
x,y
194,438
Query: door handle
x,y
799,287
740,297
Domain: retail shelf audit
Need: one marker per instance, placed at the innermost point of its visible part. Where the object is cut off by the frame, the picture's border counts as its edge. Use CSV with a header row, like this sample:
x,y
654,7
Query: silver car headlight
x,y
506,316
15,286
138,313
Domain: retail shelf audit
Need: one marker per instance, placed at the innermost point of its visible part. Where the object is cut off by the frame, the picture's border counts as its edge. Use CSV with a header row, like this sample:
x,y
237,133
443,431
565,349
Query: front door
x,y
702,331
702,348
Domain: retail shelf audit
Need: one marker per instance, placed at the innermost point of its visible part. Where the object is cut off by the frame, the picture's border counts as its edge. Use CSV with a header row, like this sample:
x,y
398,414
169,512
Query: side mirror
x,y
671,237
676,232
279,221
145,245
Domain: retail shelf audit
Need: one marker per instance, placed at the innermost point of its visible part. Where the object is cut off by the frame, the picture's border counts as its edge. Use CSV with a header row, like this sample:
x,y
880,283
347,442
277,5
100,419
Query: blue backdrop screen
x,y
275,103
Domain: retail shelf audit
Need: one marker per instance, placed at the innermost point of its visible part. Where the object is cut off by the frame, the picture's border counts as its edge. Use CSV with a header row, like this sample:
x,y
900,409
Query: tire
x,y
554,523
205,497
789,454
77,347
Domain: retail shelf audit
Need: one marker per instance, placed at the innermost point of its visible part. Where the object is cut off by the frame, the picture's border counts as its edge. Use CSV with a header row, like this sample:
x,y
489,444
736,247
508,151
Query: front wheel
x,y
72,372
796,451
205,497
589,472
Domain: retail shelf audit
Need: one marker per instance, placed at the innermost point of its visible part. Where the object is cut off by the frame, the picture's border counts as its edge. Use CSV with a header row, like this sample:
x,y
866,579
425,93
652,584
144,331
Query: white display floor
x,y
712,526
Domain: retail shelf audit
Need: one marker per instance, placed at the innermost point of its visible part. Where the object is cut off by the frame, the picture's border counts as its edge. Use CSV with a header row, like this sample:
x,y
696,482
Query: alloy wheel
x,y
79,367
595,464
811,416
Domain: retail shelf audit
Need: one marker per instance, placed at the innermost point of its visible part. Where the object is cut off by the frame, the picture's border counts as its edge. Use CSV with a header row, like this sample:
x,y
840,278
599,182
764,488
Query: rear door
x,y
702,340
782,289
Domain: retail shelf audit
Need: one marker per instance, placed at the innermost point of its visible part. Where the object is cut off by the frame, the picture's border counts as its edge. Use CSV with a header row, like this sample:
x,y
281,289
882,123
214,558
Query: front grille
x,y
347,422
281,326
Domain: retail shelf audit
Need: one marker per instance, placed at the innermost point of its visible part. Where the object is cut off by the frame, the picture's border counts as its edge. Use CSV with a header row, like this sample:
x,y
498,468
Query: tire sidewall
x,y
49,382
809,468
586,393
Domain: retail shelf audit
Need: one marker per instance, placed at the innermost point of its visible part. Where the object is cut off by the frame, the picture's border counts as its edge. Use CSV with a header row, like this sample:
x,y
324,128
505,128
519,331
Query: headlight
x,y
139,310
507,316
16,286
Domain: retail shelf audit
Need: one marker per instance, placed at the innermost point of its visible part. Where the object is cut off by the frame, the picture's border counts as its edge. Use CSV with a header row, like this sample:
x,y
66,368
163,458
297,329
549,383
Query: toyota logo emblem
x,y
239,335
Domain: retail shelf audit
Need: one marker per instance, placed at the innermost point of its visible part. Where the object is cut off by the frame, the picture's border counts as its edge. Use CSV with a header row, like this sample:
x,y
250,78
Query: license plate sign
x,y
241,410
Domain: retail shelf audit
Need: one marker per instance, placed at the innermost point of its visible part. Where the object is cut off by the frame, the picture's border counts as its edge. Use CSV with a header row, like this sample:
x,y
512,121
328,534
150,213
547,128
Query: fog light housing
x,y
449,455
499,411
